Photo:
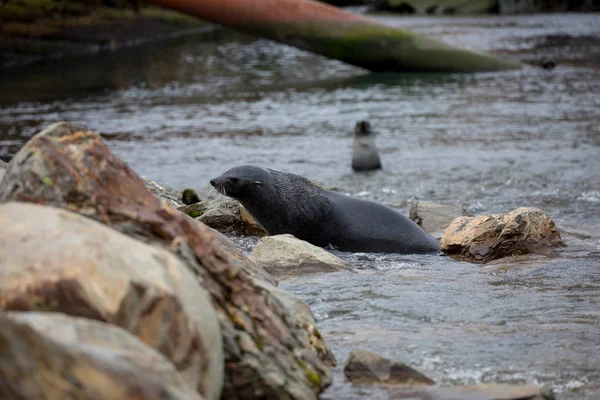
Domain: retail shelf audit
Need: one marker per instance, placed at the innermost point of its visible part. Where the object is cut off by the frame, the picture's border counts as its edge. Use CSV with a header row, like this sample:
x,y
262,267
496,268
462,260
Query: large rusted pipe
x,y
338,34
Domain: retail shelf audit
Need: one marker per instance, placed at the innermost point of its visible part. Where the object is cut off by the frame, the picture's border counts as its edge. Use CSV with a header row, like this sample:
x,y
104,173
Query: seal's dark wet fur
x,y
288,203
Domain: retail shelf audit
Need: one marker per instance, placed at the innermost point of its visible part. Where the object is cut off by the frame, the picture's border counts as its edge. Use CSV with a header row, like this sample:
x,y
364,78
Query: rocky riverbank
x,y
82,236
34,30
106,288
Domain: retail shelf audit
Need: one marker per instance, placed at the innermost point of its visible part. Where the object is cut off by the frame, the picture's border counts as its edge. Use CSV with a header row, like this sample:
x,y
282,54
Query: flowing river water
x,y
183,111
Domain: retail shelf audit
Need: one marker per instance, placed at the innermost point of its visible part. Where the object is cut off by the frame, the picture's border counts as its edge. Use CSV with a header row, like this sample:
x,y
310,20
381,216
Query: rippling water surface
x,y
183,111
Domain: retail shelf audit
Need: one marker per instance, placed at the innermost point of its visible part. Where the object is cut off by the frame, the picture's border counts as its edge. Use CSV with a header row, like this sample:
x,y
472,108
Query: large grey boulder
x,y
56,260
284,256
228,215
488,237
55,356
267,353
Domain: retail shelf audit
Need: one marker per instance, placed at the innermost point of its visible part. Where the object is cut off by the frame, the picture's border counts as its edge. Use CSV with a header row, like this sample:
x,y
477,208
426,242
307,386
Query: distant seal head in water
x,y
365,156
282,202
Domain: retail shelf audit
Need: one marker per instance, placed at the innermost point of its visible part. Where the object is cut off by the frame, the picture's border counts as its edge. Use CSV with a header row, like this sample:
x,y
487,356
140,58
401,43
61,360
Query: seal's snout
x,y
221,185
217,183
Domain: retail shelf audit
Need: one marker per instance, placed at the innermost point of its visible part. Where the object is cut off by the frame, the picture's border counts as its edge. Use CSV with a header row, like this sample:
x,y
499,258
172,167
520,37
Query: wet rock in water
x,y
367,367
285,256
226,215
56,260
434,217
222,214
189,196
488,237
165,193
78,358
486,391
268,352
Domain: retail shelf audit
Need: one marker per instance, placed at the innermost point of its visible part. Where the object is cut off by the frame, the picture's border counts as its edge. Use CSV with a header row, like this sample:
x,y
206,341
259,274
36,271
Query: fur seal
x,y
547,64
364,156
283,202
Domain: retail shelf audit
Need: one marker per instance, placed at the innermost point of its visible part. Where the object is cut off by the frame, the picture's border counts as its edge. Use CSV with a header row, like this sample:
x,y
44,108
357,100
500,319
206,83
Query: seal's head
x,y
242,182
362,128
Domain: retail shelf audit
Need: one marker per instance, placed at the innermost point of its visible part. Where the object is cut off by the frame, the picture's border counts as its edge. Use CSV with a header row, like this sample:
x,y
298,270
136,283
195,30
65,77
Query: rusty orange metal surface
x,y
242,12
338,34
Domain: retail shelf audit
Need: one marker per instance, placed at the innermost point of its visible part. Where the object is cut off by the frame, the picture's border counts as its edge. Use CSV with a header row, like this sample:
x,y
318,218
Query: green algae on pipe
x,y
338,34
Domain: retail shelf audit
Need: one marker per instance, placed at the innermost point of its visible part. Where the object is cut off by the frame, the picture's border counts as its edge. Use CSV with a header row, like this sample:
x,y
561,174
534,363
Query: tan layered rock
x,y
228,215
222,215
56,260
267,354
285,256
54,356
367,367
485,238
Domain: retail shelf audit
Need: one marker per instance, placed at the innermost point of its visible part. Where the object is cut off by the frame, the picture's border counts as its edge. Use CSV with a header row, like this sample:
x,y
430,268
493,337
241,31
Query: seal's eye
x,y
233,179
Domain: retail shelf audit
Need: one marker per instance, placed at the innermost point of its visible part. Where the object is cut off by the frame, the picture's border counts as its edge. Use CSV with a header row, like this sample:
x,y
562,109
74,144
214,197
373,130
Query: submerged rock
x,y
54,356
402,382
284,256
56,260
367,367
434,217
485,391
488,237
269,352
